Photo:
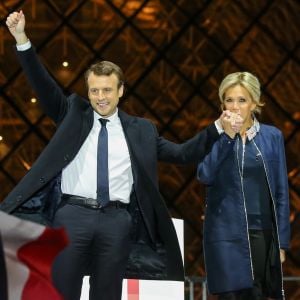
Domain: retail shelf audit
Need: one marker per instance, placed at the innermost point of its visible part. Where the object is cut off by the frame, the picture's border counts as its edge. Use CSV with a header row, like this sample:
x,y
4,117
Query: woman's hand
x,y
282,256
231,122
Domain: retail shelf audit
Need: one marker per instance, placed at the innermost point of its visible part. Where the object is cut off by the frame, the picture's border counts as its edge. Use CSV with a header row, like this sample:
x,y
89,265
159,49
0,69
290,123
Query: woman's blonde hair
x,y
246,80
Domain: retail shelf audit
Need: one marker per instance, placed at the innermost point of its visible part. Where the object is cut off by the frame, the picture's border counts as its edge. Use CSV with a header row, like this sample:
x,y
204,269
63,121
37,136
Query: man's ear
x,y
121,90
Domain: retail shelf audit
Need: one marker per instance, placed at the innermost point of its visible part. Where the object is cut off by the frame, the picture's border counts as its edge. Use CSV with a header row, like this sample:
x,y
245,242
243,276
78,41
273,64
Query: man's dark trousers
x,y
100,242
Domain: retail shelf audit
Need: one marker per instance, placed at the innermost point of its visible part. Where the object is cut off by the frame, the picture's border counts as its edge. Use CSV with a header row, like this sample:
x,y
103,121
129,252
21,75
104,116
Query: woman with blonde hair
x,y
246,229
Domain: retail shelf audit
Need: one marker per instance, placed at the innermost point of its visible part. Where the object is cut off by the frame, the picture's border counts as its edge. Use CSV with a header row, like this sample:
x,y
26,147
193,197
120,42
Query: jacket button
x,y
66,157
42,180
19,198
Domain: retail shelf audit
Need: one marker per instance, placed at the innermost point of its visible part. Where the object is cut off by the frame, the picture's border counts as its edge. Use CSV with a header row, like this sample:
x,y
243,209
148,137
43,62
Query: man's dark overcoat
x,y
155,250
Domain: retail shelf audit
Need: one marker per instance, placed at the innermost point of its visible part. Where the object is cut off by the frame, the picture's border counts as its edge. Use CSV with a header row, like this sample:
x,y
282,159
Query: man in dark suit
x,y
98,179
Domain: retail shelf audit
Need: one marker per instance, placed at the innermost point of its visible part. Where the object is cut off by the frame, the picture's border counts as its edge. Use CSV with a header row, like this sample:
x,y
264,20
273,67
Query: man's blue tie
x,y
102,165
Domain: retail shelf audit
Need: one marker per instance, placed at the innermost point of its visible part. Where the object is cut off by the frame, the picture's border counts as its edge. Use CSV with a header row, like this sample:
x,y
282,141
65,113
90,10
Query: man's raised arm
x,y
50,95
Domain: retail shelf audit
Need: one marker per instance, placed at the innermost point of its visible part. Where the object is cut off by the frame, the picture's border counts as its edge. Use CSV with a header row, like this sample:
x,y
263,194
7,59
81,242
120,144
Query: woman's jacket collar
x,y
253,130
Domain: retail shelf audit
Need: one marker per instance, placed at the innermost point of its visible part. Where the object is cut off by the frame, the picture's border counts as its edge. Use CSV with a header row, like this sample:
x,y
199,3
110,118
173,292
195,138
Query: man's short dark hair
x,y
105,68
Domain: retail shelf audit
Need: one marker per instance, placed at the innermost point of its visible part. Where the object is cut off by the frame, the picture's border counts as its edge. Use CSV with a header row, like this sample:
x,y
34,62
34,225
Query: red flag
x,y
29,251
3,279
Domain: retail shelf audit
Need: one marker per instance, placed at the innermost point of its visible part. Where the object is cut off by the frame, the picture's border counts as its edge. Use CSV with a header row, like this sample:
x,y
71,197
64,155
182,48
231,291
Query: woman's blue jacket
x,y
226,241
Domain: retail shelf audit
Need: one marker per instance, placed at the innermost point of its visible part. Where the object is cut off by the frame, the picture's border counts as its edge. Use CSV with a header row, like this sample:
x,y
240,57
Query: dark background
x,y
174,55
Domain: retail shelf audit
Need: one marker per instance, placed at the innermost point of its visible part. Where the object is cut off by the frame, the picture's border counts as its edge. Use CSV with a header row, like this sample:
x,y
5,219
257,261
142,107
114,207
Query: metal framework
x,y
174,54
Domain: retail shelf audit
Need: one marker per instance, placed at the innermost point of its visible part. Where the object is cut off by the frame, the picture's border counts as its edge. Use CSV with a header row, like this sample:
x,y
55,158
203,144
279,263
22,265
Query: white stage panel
x,y
149,289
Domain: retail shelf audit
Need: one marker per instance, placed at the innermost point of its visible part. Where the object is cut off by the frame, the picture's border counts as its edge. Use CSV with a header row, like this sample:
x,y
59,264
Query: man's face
x,y
104,94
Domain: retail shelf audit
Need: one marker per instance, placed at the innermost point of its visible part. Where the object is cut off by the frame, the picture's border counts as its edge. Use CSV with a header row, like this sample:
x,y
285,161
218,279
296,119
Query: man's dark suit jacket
x,y
155,250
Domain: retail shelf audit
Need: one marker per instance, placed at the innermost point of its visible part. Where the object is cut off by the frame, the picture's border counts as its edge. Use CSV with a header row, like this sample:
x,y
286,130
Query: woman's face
x,y
238,100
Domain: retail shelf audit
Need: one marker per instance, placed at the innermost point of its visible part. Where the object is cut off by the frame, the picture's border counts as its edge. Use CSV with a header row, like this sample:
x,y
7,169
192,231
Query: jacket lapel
x,y
131,130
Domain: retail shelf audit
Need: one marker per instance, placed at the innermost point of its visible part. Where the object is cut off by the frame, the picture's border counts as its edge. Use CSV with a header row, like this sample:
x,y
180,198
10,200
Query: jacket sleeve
x,y
212,162
191,151
51,97
282,198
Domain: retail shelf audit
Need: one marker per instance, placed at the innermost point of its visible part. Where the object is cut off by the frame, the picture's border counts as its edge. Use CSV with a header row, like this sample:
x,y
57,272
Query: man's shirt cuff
x,y
24,47
219,126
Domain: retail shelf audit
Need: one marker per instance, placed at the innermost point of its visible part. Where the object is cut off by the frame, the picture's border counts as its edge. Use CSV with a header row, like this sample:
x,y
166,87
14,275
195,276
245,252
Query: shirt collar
x,y
112,119
253,130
